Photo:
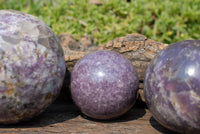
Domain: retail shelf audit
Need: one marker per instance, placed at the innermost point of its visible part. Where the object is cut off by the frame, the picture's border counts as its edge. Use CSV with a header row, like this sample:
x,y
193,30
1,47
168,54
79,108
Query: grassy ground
x,y
161,20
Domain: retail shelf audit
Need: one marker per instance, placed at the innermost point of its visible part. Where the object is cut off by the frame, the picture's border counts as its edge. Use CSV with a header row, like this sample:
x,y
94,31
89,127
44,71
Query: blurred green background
x,y
166,21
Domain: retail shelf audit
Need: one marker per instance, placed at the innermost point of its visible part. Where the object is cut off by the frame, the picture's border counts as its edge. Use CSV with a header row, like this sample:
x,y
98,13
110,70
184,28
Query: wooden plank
x,y
66,118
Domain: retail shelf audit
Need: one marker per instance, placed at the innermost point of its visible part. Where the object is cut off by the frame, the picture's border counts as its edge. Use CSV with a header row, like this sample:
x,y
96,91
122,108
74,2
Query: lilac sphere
x,y
104,85
172,87
32,66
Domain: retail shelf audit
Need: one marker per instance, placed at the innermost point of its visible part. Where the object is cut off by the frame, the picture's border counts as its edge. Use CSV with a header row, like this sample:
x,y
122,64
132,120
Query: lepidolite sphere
x,y
32,66
104,85
172,87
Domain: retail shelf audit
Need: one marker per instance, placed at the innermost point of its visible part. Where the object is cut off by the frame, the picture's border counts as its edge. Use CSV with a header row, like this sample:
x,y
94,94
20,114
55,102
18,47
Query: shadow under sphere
x,y
160,128
136,112
56,113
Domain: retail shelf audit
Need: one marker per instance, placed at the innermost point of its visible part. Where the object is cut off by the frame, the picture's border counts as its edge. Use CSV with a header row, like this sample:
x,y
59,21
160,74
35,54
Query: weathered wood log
x,y
75,50
139,50
135,47
66,119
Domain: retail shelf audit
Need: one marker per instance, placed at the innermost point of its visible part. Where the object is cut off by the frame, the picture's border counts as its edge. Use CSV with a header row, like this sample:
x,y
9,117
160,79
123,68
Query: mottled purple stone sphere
x,y
104,85
172,87
32,66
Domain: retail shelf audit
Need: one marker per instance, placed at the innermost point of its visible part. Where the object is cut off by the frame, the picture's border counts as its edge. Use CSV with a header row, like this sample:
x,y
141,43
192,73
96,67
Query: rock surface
x,y
135,47
104,84
172,87
138,49
75,50
32,66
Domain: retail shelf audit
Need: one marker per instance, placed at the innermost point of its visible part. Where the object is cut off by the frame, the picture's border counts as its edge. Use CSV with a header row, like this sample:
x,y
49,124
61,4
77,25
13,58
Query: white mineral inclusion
x,y
32,66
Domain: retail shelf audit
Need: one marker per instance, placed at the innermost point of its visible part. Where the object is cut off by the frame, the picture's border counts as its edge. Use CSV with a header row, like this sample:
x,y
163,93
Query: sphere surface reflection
x,y
172,87
104,85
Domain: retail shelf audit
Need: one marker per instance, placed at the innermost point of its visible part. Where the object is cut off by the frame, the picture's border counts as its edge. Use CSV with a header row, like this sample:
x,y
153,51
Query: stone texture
x,y
104,84
135,47
32,66
138,49
75,50
172,87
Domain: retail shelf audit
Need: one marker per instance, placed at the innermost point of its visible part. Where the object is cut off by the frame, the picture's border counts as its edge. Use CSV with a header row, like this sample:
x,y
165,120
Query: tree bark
x,y
135,47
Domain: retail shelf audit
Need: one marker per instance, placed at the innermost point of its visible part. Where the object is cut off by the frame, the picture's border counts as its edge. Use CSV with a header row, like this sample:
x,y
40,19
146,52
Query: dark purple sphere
x,y
104,85
172,87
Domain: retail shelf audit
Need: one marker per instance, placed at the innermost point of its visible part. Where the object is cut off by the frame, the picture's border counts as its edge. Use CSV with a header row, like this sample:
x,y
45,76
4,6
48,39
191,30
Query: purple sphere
x,y
104,85
172,87
32,66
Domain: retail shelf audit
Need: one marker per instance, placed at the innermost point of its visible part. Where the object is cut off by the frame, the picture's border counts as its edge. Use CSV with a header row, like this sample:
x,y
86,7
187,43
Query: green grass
x,y
161,20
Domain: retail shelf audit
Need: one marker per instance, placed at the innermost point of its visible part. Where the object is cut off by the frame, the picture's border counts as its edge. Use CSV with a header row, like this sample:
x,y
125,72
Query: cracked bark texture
x,y
135,47
139,50
75,50
67,119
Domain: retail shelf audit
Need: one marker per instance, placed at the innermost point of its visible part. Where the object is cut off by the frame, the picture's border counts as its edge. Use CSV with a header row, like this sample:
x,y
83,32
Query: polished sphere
x,y
172,87
32,66
104,85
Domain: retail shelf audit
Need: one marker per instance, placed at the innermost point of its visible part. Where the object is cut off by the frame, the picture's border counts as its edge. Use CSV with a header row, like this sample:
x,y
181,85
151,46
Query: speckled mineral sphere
x,y
32,66
104,85
172,87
